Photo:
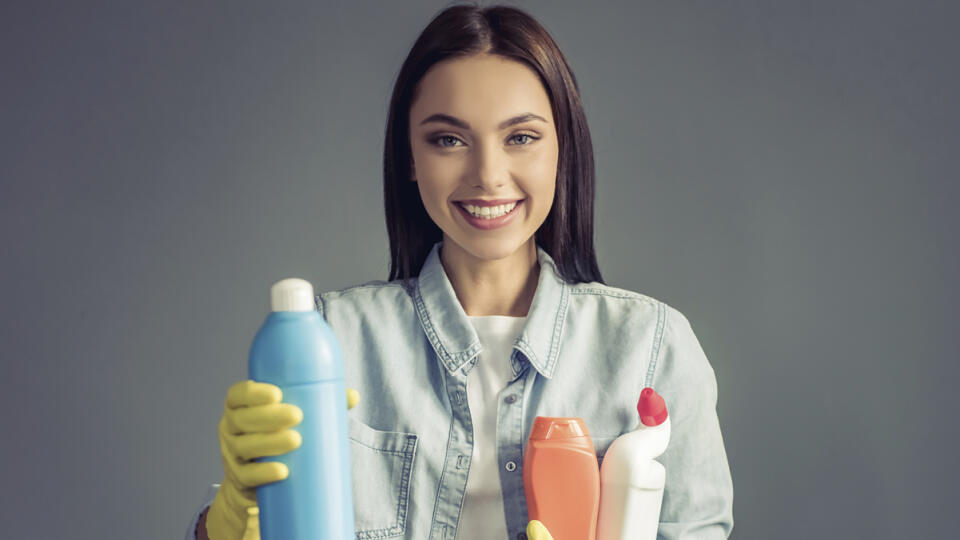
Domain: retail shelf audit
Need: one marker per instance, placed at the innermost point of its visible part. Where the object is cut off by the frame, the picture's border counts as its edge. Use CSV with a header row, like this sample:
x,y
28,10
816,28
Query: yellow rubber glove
x,y
254,424
537,531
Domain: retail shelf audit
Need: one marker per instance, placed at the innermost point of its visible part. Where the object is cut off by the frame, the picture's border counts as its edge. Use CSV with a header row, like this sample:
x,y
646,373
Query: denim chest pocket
x,y
381,463
600,445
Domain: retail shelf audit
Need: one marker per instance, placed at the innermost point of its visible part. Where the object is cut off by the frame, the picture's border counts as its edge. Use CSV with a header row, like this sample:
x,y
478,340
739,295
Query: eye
x,y
439,140
436,140
527,135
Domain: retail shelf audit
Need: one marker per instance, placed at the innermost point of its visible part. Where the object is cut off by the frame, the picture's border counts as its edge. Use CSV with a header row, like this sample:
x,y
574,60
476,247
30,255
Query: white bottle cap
x,y
292,294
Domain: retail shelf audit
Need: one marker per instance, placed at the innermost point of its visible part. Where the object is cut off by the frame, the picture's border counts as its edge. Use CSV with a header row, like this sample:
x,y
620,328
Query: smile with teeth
x,y
489,212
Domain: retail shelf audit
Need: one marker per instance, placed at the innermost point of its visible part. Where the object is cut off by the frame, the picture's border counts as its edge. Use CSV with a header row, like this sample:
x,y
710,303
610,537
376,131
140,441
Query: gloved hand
x,y
537,531
254,424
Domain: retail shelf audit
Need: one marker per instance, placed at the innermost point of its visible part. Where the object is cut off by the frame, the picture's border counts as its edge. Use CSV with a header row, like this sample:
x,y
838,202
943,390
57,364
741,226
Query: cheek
x,y
435,188
543,180
428,195
543,193
434,199
542,168
544,204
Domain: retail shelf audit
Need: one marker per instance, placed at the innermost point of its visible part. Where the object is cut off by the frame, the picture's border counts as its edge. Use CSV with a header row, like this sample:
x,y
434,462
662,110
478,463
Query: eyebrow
x,y
454,121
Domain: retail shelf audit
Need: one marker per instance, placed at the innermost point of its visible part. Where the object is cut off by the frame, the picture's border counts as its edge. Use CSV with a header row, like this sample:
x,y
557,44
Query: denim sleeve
x,y
207,501
698,495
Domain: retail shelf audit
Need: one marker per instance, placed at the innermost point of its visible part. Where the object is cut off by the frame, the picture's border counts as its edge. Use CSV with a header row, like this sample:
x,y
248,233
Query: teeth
x,y
489,212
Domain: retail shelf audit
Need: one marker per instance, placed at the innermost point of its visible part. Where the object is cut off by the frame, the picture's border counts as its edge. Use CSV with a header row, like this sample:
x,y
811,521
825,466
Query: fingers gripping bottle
x,y
296,350
631,482
561,479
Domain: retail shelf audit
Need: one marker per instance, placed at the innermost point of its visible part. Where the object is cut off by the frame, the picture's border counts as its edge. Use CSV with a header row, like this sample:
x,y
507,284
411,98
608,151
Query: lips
x,y
481,202
492,223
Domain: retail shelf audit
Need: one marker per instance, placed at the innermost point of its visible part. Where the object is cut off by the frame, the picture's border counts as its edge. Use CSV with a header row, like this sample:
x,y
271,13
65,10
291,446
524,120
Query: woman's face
x,y
484,158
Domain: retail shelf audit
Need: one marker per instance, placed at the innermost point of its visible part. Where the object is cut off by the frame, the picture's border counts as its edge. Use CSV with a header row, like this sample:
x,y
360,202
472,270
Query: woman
x,y
494,313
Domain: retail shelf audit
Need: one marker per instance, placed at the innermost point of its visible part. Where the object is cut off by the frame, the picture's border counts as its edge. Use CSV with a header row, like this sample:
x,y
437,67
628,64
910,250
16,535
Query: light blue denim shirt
x,y
587,350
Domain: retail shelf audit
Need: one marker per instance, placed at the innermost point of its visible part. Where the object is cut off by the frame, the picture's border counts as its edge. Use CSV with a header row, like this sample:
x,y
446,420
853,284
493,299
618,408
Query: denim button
x,y
511,398
511,466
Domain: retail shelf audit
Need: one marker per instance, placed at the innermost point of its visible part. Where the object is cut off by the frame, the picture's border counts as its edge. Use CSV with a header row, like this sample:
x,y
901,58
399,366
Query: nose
x,y
490,167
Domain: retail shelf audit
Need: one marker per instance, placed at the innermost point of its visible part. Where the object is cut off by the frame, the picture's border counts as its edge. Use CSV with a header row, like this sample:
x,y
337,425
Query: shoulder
x,y
632,310
599,292
377,296
620,302
597,289
678,363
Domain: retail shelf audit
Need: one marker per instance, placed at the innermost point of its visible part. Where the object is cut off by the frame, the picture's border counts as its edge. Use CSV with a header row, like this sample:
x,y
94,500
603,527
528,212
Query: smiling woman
x,y
485,108
499,158
495,311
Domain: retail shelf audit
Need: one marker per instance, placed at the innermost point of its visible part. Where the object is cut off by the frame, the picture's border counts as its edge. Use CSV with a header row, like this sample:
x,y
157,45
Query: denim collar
x,y
454,338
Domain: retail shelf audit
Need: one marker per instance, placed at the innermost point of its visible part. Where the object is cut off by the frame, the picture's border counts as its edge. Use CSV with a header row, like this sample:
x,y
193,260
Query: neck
x,y
492,286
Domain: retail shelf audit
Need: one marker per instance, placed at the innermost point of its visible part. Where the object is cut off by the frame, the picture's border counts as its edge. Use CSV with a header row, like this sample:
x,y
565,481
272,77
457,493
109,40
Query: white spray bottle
x,y
631,481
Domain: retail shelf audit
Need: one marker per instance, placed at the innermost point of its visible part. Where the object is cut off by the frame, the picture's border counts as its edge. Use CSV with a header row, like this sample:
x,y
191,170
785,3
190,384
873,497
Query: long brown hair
x,y
465,30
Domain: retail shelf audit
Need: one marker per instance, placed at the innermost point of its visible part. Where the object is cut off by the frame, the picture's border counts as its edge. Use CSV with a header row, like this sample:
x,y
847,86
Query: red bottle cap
x,y
652,408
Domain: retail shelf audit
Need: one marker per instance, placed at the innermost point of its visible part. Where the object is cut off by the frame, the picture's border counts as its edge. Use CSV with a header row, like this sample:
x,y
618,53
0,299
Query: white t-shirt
x,y
482,516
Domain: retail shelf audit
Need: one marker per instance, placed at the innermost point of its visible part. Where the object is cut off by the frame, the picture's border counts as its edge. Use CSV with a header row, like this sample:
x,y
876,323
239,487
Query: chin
x,y
492,249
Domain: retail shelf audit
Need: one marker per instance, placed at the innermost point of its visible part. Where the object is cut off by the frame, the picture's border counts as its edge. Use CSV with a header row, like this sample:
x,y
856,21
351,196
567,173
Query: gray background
x,y
782,173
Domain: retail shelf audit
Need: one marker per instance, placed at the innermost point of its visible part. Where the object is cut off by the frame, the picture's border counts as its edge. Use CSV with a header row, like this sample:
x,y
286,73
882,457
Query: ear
x,y
413,173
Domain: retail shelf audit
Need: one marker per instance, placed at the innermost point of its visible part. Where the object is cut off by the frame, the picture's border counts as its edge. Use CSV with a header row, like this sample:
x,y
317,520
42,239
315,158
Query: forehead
x,y
482,90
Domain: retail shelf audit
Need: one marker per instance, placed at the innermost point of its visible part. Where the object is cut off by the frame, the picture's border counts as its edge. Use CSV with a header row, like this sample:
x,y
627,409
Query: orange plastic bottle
x,y
561,478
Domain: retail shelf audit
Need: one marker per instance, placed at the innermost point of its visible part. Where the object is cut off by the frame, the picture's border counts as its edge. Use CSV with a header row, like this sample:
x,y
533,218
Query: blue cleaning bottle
x,y
297,350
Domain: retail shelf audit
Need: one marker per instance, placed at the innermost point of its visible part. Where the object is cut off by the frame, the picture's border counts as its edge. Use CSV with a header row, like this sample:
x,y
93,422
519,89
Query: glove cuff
x,y
223,521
